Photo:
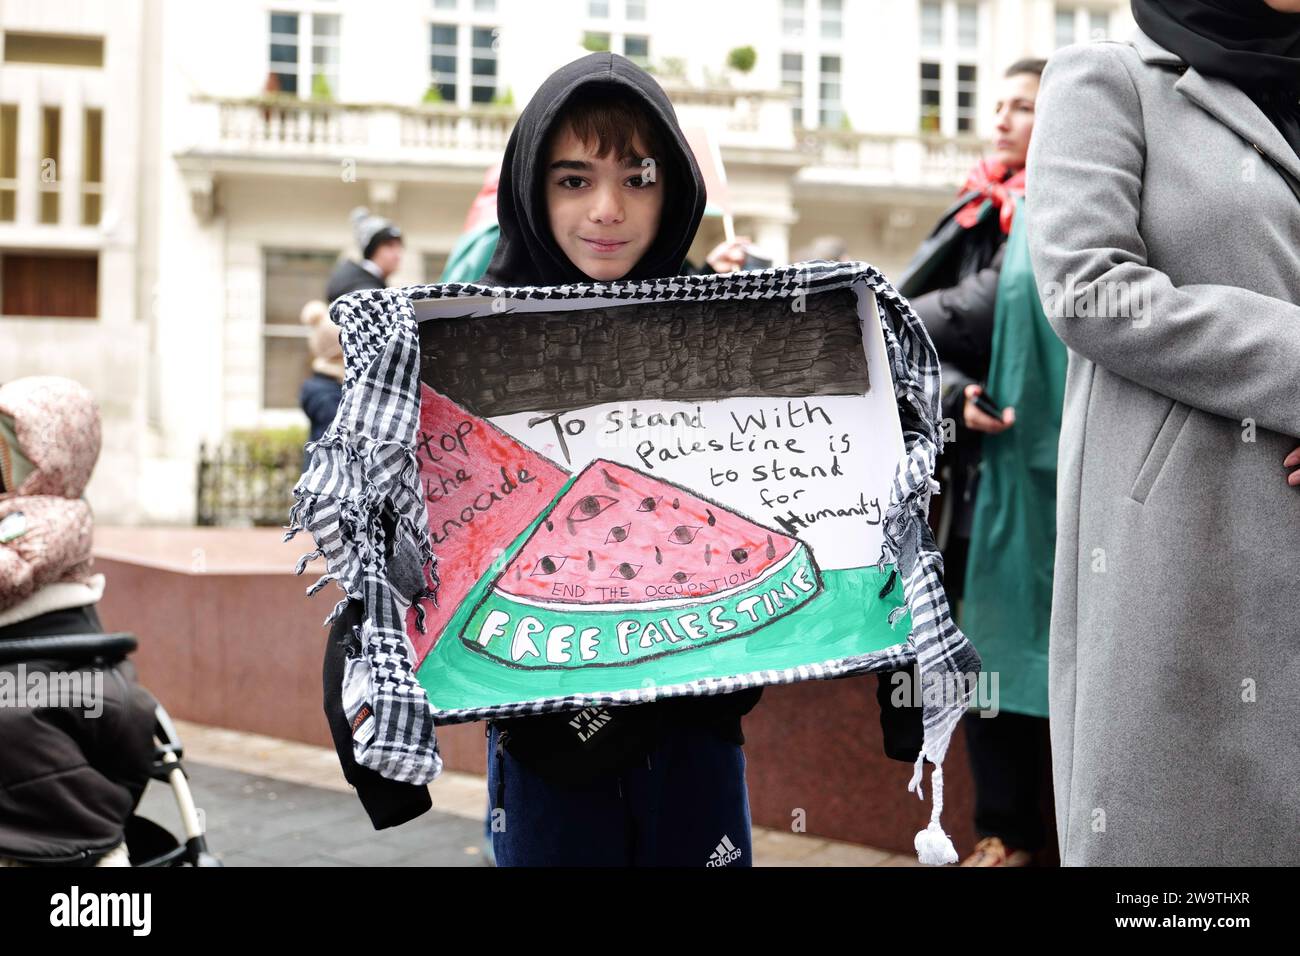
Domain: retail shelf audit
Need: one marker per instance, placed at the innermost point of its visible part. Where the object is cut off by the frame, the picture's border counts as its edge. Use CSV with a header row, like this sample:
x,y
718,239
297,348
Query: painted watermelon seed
x,y
610,481
549,564
659,555
771,549
681,577
712,519
618,533
676,503
708,554
649,504
588,506
683,534
549,526
591,561
625,571
739,555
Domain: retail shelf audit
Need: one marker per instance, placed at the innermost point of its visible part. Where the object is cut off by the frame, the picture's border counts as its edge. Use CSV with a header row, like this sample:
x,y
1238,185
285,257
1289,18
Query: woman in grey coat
x,y
1164,189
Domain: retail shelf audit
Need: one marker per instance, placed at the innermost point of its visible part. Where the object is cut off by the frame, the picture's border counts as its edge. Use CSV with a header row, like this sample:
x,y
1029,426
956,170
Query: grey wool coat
x,y
1159,202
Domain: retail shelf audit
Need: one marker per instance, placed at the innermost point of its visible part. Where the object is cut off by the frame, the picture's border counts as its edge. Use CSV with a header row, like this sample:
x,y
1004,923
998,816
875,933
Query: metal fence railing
x,y
246,486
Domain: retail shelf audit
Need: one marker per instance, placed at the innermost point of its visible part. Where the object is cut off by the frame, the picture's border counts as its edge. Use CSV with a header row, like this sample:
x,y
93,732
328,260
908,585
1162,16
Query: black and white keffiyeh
x,y
360,500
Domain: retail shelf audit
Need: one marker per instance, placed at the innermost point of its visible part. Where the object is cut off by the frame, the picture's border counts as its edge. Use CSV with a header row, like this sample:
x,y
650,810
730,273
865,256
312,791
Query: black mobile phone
x,y
987,405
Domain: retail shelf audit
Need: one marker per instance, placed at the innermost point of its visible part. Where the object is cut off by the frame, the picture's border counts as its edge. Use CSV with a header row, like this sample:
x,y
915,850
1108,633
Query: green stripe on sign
x,y
536,636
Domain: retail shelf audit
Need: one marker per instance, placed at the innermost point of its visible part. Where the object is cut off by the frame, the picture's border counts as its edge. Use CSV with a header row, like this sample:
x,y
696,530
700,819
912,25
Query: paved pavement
x,y
271,802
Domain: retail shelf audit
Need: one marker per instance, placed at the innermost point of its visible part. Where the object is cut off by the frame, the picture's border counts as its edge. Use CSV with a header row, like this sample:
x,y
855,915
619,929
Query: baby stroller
x,y
147,843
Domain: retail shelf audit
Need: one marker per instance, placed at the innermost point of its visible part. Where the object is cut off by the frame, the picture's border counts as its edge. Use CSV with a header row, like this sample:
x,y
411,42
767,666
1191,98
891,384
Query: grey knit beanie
x,y
370,230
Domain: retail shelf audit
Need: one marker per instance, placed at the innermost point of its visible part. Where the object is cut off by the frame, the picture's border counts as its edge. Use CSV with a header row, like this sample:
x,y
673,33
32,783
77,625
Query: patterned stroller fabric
x,y
360,500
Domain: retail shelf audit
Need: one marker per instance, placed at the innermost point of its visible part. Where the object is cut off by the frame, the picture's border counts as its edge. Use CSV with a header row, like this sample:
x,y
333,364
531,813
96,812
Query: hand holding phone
x,y
982,414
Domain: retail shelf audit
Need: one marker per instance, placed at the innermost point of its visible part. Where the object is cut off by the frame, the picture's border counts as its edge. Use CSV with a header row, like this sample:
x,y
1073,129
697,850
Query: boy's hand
x,y
979,421
728,256
1293,461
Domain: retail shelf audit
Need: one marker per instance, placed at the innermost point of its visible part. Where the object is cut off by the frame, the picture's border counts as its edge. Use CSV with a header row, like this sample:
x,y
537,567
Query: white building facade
x,y
175,178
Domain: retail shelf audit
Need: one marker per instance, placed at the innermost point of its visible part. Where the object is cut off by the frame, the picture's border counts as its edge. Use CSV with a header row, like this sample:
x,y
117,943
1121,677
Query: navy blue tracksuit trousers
x,y
687,806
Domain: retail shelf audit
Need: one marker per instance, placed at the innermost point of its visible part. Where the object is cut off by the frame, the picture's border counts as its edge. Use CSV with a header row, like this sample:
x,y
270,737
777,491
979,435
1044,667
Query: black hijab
x,y
1244,41
527,253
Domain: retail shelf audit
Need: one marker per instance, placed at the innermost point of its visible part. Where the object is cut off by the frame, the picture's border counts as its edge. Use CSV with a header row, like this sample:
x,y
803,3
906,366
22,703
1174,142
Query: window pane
x,y
480,67
50,136
482,94
1064,26
286,364
832,19
931,24
292,279
92,162
965,74
443,35
967,25
483,39
52,49
284,23
792,17
485,6
636,48
325,25
8,142
930,115
287,82
635,9
443,64
444,4
282,53
598,8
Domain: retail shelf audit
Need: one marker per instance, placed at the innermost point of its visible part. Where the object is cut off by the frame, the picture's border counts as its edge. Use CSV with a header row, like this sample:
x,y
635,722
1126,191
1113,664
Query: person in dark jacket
x,y
660,783
952,284
77,738
323,390
381,248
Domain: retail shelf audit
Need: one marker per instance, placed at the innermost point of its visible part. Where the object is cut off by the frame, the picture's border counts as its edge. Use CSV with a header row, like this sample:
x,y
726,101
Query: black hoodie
x,y
527,253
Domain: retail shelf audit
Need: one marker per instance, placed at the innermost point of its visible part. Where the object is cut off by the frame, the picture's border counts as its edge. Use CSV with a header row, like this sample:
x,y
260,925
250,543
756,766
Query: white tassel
x,y
933,846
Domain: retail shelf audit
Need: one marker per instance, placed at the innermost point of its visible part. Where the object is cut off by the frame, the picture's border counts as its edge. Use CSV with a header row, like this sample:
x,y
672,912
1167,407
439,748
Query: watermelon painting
x,y
706,485
624,567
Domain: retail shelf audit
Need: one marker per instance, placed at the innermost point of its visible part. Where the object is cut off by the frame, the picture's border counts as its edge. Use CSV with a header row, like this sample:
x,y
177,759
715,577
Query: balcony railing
x,y
882,159
282,127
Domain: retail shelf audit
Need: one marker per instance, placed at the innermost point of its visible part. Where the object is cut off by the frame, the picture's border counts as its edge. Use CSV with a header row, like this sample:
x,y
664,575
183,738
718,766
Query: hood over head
x,y
49,437
527,253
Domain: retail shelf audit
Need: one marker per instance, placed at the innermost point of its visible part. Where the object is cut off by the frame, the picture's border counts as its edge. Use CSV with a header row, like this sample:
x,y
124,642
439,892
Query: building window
x,y
832,19
792,17
637,49
324,55
444,4
292,279
595,42
966,87
483,65
931,24
92,166
792,82
636,9
292,36
1098,24
968,17
50,286
831,111
8,162
284,54
598,9
930,98
442,60
1064,26
49,189
485,6
48,49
